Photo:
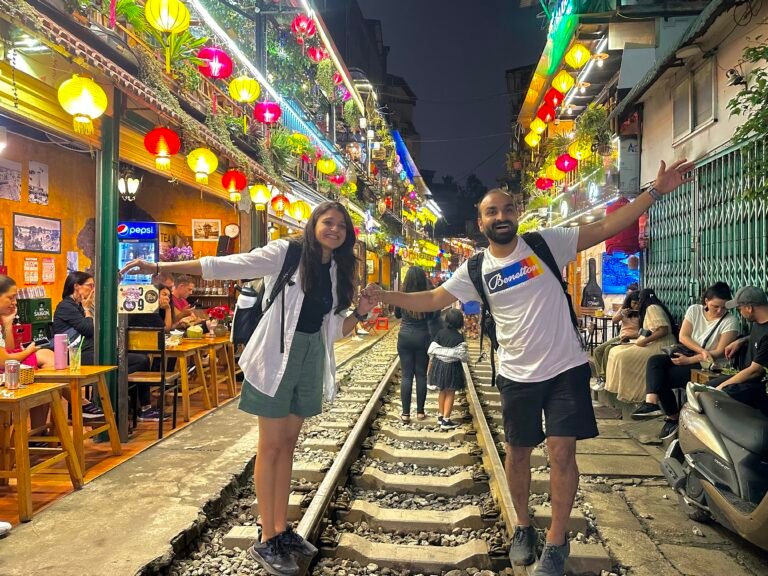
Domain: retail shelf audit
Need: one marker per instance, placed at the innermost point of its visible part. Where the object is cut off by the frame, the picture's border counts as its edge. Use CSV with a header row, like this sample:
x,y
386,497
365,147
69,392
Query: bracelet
x,y
157,264
654,193
360,317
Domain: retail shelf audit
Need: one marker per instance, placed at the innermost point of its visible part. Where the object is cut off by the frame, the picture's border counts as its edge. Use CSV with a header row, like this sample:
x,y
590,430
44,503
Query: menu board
x,y
137,299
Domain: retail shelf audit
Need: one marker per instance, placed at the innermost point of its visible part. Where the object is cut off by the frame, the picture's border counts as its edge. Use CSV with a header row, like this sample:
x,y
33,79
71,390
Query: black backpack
x,y
247,318
487,324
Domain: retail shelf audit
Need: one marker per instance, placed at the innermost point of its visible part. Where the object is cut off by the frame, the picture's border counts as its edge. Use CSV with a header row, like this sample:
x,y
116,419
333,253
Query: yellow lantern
x,y
326,166
244,90
300,210
538,125
554,173
202,162
580,150
169,16
563,82
577,56
84,100
234,197
532,139
260,196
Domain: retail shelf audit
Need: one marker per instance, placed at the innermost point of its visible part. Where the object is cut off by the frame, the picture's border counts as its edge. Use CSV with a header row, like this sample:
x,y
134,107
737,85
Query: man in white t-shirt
x,y
542,367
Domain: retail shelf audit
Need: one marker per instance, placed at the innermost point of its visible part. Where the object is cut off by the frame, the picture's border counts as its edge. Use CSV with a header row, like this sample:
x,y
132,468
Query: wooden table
x,y
190,348
215,345
701,376
14,411
77,380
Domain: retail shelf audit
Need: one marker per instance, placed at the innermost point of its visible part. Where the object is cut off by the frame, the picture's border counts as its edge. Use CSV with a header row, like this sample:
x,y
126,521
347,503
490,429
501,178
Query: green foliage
x,y
556,146
592,126
180,48
324,78
289,69
352,114
530,225
280,149
541,201
750,103
130,12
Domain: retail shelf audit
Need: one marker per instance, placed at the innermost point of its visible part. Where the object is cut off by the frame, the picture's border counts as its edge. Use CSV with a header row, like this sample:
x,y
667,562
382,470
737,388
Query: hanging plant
x,y
351,114
592,126
280,150
750,104
530,225
542,201
324,78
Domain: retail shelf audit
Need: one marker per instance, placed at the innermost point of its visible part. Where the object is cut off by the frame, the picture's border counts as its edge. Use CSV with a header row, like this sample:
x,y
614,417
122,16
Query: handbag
x,y
683,350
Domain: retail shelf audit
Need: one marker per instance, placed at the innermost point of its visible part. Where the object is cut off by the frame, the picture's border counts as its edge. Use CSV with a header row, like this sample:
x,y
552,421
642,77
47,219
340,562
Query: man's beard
x,y
504,236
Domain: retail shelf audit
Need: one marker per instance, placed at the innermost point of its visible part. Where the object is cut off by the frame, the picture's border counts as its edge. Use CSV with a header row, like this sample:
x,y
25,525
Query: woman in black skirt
x,y
448,350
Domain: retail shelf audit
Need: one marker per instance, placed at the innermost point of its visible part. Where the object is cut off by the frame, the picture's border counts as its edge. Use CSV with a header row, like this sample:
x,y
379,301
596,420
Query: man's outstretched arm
x,y
428,301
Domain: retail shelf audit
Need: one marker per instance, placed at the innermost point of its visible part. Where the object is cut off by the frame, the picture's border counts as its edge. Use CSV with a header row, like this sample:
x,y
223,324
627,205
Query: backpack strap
x,y
288,269
475,270
540,247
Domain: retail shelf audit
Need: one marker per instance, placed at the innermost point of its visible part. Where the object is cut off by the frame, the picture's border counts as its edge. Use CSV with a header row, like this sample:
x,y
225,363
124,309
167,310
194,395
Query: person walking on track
x,y
289,361
542,362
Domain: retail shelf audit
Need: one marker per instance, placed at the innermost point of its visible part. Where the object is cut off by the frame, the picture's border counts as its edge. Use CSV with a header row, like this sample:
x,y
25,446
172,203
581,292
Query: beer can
x,y
12,368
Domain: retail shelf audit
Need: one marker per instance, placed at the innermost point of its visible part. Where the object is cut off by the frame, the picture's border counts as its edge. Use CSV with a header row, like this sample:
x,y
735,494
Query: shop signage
x,y
137,230
137,299
629,166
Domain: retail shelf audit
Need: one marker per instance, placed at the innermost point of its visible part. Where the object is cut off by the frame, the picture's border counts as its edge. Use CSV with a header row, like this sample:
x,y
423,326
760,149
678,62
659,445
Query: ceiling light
x,y
600,59
688,52
583,87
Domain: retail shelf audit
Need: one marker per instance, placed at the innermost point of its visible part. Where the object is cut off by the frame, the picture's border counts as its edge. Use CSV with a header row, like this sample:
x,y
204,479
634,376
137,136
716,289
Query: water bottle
x,y
12,368
60,344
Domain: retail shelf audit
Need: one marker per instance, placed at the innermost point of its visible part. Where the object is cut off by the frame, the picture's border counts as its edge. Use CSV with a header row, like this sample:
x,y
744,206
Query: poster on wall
x,y
73,262
31,270
205,230
49,270
36,234
10,180
38,183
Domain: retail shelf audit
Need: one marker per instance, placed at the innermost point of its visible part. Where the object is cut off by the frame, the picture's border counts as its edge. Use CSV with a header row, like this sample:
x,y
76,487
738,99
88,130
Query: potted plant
x,y
221,317
592,125
177,254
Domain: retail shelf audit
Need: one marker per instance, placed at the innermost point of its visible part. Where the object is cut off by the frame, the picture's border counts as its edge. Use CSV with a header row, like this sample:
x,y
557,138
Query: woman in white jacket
x,y
284,389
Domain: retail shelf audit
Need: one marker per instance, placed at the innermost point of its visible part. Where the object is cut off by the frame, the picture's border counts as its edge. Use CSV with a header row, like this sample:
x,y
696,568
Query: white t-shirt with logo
x,y
537,340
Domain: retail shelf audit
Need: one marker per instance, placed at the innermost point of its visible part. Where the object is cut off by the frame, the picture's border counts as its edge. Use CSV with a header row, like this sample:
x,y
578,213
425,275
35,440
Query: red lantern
x,y
337,179
338,79
544,183
317,54
546,113
234,181
280,204
566,163
554,97
217,65
626,241
163,143
303,27
267,112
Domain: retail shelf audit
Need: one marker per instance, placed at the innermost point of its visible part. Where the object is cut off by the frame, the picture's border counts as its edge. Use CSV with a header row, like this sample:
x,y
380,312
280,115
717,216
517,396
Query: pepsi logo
x,y
122,229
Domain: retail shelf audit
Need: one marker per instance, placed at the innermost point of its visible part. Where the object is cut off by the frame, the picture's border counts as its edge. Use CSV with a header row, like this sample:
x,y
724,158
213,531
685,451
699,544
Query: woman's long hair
x,y
648,298
416,281
74,279
344,255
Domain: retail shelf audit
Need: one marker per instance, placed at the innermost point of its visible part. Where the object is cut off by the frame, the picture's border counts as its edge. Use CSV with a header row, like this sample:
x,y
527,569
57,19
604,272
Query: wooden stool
x,y
216,376
191,349
14,411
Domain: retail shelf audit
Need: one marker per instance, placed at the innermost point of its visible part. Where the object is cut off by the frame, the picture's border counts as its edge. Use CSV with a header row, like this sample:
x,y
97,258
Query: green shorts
x,y
301,390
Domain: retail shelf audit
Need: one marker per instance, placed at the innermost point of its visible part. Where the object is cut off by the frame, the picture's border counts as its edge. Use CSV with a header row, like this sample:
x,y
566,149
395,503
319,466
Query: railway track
x,y
382,497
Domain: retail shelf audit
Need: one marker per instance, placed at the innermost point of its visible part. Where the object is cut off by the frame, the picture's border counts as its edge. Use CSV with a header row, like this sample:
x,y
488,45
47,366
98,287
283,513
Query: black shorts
x,y
565,401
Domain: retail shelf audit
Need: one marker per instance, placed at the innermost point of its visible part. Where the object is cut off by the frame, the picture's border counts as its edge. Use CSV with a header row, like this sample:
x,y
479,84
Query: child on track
x,y
447,351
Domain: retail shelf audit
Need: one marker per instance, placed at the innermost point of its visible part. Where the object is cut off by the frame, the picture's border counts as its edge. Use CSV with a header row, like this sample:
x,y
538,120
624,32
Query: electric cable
x,y
482,162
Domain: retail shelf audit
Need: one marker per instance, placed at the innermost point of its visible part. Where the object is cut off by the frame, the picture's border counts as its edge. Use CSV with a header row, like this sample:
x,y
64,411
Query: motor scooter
x,y
719,463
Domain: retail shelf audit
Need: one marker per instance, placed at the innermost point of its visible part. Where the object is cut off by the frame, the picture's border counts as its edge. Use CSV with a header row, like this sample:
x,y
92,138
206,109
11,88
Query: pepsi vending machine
x,y
137,240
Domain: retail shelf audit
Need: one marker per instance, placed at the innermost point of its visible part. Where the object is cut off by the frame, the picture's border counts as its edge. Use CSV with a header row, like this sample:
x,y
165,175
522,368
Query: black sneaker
x,y
92,412
440,419
522,551
271,556
552,561
292,542
669,429
151,415
448,424
647,410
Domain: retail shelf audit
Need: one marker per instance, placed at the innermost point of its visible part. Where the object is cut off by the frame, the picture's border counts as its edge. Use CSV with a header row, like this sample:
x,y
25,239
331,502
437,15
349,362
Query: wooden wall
x,y
71,198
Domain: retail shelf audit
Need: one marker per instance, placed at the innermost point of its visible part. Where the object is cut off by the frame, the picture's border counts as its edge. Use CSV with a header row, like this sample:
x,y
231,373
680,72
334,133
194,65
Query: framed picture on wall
x,y
204,230
36,234
369,267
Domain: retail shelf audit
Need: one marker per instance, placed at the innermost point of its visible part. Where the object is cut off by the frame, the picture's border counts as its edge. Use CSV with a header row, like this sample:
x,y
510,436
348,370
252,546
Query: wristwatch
x,y
360,317
654,193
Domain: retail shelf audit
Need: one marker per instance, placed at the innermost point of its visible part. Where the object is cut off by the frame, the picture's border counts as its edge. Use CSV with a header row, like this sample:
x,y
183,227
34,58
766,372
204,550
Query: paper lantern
x,y
303,27
280,204
337,179
317,54
85,100
532,139
168,16
566,163
202,162
235,197
326,166
554,173
538,125
260,196
563,82
546,113
338,79
163,143
544,183
626,241
244,90
577,56
267,112
553,97
580,150
300,210
233,181
216,65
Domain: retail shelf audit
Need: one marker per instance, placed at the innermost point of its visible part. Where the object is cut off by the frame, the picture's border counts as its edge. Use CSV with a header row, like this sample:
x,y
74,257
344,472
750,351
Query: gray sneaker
x,y
273,557
522,552
292,542
552,561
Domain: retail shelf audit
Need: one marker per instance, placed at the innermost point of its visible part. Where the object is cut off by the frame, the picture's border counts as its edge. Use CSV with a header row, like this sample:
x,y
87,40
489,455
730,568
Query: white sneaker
x,y
431,387
361,332
5,527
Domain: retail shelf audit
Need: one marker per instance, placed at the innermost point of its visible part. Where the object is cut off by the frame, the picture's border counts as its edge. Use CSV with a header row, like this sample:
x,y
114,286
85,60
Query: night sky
x,y
454,53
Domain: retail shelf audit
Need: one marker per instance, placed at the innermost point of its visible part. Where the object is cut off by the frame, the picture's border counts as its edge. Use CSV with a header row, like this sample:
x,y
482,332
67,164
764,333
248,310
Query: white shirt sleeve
x,y
266,261
562,243
460,286
692,313
730,324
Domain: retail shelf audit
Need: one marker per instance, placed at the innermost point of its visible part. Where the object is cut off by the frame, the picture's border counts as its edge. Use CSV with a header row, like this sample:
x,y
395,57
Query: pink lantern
x,y
303,27
267,113
338,79
544,183
337,179
317,54
566,163
216,65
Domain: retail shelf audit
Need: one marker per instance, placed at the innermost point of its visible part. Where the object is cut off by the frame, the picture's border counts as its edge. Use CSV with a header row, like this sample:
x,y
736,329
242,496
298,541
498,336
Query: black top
x,y
69,318
153,320
317,304
758,344
416,322
449,338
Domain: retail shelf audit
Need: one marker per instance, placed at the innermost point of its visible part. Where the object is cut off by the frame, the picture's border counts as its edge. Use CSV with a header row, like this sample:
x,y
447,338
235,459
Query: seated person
x,y
629,317
161,319
706,331
184,315
625,370
10,349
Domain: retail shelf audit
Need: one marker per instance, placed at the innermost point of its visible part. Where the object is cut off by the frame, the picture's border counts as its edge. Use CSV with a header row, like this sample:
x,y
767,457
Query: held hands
x,y
667,179
680,360
373,292
138,267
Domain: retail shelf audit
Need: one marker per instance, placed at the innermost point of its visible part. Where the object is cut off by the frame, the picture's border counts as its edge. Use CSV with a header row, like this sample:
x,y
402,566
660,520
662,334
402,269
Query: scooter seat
x,y
736,421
